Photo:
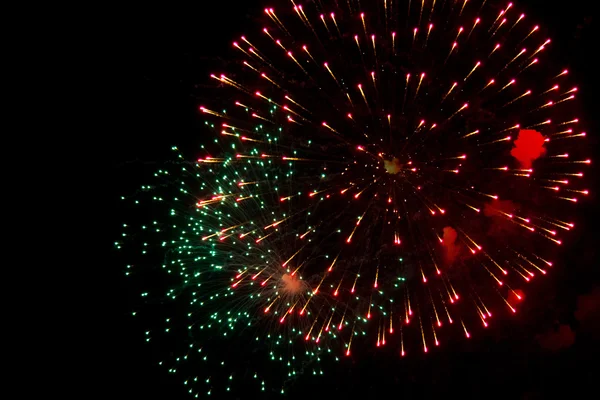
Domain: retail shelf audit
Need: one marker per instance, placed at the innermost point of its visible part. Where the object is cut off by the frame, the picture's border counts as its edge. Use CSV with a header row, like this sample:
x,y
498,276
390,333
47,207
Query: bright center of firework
x,y
291,284
392,166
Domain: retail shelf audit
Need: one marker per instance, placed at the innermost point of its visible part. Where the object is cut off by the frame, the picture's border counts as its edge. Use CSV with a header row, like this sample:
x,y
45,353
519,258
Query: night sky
x,y
169,52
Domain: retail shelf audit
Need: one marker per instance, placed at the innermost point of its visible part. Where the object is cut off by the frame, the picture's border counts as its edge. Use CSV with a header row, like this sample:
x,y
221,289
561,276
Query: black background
x,y
169,51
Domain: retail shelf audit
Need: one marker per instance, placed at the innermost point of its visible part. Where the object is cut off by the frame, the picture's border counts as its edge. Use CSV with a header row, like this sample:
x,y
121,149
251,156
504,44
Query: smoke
x,y
557,339
452,249
493,208
500,224
587,315
588,312
393,166
529,146
291,284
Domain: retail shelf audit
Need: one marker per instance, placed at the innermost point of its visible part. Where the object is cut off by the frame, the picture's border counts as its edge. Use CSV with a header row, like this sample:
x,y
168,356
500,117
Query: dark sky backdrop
x,y
170,50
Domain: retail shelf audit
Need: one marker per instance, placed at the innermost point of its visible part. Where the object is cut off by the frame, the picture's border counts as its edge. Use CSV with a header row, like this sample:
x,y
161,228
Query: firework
x,y
227,264
386,175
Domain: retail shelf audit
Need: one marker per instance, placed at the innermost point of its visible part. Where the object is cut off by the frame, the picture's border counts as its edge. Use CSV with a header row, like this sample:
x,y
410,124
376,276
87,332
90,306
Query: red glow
x,y
529,146
449,242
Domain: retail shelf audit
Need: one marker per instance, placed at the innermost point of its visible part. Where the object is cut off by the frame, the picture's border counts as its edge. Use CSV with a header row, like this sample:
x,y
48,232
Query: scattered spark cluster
x,y
382,175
